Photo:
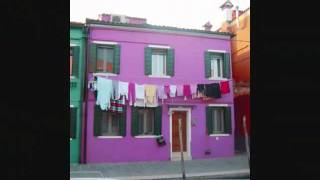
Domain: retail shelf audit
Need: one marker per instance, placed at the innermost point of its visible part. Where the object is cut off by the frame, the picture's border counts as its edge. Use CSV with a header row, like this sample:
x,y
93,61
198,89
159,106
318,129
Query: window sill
x,y
146,136
104,74
73,78
70,139
218,79
155,76
215,135
109,137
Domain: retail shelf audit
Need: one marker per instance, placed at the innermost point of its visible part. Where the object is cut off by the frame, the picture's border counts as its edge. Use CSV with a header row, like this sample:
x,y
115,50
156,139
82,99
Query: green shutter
x,y
209,120
228,120
147,60
116,66
226,65
73,122
97,120
158,120
75,61
134,121
170,63
93,58
122,122
207,64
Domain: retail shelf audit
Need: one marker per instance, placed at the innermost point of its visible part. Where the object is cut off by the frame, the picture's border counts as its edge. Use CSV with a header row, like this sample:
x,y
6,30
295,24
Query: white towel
x,y
104,92
173,90
140,96
123,89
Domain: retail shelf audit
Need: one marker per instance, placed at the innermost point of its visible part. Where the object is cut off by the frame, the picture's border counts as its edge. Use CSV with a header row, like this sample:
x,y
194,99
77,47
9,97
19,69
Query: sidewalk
x,y
230,167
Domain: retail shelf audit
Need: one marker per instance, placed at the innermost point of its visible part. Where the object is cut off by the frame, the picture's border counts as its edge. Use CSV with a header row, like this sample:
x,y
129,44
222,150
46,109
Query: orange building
x,y
239,25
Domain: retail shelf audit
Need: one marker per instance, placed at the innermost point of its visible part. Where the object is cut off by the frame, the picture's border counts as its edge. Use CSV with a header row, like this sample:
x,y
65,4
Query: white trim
x,y
109,137
159,46
71,105
73,77
146,136
214,135
70,139
104,42
104,74
219,105
73,45
217,36
217,79
188,110
217,51
155,76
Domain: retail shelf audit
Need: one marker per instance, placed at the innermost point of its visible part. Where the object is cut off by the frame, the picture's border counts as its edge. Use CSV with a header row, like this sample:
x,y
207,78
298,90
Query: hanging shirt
x,y
213,90
167,90
150,92
193,88
173,90
115,85
179,90
160,93
132,93
123,89
117,105
104,92
140,96
186,90
200,90
224,87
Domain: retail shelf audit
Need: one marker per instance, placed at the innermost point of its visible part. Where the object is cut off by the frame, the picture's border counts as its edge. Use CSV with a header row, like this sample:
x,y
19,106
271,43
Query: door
x,y
175,130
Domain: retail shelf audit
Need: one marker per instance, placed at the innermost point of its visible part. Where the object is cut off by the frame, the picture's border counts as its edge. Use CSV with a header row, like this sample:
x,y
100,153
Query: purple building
x,y
130,50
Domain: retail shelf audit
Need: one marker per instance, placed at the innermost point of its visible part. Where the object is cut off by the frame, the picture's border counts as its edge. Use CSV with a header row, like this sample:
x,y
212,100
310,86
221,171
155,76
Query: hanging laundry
x,y
123,89
104,92
224,87
200,90
173,90
160,93
213,90
150,92
131,94
167,90
186,90
115,85
179,90
140,95
193,88
117,105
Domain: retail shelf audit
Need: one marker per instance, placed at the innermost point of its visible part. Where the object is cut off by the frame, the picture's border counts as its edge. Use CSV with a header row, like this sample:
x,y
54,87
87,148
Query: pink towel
x,y
179,90
132,93
193,88
186,90
167,90
160,92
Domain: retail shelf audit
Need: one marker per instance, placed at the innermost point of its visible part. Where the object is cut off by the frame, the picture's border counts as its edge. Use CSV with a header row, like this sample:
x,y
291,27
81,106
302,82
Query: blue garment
x,y
104,92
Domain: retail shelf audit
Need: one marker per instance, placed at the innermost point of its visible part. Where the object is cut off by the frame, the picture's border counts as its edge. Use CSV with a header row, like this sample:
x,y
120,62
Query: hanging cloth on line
x,y
224,87
213,90
104,92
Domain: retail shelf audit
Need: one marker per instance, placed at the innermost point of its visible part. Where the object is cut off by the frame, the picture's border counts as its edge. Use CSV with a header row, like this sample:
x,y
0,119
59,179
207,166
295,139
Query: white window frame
x,y
104,43
219,105
156,63
215,68
73,45
110,136
217,78
145,125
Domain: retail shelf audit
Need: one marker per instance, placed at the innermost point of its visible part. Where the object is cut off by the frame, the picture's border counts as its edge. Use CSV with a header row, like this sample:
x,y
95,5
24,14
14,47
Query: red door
x,y
175,130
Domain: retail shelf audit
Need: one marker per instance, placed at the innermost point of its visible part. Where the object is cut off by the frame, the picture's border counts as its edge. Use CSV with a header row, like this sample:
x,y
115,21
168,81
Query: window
x,y
218,120
74,61
71,60
105,59
109,123
159,57
146,121
73,121
116,18
216,67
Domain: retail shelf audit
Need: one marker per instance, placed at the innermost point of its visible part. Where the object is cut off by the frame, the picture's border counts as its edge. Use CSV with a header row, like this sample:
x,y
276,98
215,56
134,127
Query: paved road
x,y
196,169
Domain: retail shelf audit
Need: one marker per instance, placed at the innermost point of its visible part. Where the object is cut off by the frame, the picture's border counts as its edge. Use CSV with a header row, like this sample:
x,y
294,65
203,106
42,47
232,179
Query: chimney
x,y
207,26
226,9
237,16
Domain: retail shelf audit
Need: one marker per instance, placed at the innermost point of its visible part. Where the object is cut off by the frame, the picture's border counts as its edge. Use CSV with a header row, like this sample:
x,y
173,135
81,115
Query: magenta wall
x,y
189,68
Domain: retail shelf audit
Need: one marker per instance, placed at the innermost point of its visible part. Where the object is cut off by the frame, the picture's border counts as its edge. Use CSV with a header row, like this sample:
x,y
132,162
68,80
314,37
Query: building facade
x,y
146,54
76,62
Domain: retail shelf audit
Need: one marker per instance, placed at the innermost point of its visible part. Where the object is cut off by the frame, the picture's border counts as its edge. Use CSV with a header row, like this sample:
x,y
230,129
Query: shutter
x,y
147,60
75,61
73,122
122,122
226,65
116,66
228,120
93,58
207,64
158,120
170,63
209,120
97,120
134,121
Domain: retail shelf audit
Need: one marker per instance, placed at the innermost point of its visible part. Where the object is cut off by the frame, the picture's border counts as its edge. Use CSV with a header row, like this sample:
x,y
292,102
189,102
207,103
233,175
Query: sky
x,y
178,13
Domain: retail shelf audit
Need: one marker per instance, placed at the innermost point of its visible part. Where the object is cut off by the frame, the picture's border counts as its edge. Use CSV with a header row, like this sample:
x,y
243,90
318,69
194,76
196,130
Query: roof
x,y
240,14
76,24
226,4
156,27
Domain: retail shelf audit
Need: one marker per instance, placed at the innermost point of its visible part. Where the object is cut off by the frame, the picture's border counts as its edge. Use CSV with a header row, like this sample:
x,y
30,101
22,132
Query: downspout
x,y
85,100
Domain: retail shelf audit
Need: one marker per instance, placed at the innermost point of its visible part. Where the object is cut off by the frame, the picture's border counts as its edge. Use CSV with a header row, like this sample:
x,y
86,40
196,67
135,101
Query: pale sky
x,y
178,13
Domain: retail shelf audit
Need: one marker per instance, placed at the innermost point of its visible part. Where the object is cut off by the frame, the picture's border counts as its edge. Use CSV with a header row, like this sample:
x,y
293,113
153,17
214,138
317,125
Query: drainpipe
x,y
85,101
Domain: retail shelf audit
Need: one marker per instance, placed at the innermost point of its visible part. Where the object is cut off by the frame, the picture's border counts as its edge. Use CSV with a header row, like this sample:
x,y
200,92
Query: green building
x,y
77,68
